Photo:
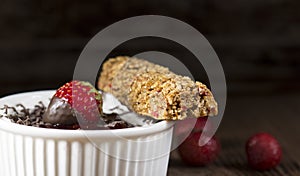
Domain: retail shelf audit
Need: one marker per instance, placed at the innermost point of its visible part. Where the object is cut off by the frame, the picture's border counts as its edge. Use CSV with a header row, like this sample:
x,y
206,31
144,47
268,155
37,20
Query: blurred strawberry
x,y
263,151
186,126
201,122
193,154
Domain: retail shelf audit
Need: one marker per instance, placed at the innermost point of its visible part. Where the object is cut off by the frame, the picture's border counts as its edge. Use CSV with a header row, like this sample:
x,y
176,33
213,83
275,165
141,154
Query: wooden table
x,y
244,116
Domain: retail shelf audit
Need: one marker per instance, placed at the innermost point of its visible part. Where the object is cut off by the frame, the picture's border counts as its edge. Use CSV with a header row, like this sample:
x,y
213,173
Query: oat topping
x,y
24,116
153,90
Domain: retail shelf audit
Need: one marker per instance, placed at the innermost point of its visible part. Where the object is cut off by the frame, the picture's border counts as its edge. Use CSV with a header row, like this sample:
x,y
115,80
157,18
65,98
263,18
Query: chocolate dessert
x,y
75,105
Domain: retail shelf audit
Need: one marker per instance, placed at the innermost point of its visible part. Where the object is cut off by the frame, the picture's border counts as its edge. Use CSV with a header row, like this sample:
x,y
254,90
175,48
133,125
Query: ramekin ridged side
x,y
22,155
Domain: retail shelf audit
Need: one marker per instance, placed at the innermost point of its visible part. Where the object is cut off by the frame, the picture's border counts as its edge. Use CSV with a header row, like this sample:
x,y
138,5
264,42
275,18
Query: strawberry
x,y
76,101
263,151
184,127
193,154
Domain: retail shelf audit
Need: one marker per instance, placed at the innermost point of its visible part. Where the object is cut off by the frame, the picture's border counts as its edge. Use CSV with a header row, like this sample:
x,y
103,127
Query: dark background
x,y
258,43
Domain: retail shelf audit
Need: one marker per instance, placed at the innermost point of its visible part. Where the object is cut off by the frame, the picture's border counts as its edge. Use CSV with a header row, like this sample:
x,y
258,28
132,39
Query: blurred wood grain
x,y
271,63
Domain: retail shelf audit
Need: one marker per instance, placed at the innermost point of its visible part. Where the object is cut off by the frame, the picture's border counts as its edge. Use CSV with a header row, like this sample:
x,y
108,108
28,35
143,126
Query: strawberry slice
x,y
76,101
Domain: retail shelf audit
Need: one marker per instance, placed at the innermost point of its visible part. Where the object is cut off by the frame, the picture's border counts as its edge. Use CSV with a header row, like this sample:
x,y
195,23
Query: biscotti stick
x,y
153,90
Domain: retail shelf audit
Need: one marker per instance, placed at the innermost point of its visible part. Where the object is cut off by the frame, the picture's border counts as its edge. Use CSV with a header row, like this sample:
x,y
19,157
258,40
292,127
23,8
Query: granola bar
x,y
153,90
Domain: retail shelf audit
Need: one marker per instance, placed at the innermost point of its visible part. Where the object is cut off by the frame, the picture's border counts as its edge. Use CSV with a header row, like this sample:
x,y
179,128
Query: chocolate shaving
x,y
25,116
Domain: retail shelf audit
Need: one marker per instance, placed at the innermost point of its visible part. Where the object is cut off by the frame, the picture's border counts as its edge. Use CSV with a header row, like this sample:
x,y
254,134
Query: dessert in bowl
x,y
78,130
28,150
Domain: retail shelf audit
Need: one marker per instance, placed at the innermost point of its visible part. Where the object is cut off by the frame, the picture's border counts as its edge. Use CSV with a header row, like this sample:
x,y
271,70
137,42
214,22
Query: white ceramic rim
x,y
71,134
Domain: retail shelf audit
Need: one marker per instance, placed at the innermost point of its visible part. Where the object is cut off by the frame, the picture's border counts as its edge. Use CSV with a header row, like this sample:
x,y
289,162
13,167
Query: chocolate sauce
x,y
59,112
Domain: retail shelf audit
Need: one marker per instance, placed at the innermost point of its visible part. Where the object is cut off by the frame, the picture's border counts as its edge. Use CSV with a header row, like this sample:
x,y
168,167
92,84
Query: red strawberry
x,y
76,101
193,154
263,151
184,127
201,122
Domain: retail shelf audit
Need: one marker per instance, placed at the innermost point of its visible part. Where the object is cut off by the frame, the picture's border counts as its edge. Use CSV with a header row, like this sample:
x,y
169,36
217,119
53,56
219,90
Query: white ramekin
x,y
32,151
